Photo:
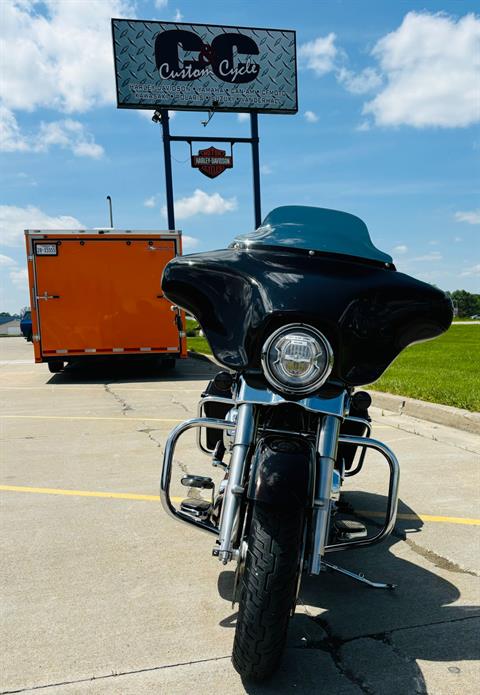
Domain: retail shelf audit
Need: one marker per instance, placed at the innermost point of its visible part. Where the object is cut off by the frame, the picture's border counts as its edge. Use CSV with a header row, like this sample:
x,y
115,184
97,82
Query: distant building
x,y
10,328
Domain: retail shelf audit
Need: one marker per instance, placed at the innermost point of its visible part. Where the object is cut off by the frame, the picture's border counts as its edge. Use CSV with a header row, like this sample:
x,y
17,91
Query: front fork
x,y
244,434
327,443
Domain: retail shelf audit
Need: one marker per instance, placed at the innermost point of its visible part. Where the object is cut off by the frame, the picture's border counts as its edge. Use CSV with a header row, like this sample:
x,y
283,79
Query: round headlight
x,y
297,359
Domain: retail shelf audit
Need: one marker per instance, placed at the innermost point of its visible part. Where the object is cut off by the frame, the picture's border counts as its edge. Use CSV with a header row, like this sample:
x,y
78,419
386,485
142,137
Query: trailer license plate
x,y
46,249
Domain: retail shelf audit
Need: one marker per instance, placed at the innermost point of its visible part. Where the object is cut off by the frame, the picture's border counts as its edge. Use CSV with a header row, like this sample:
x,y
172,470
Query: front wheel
x,y
268,589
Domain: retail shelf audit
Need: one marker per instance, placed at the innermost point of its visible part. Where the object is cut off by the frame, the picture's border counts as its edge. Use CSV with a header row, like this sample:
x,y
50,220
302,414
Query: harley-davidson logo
x,y
212,162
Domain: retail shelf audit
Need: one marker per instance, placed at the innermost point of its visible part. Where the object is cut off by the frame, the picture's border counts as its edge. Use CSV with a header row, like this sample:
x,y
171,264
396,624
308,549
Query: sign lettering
x,y
200,67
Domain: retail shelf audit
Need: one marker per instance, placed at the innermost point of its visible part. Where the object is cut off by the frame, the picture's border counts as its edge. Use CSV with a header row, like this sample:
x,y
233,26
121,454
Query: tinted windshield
x,y
317,229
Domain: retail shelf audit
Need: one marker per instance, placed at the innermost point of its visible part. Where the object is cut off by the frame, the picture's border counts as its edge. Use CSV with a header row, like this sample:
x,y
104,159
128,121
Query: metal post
x,y
256,169
110,209
168,168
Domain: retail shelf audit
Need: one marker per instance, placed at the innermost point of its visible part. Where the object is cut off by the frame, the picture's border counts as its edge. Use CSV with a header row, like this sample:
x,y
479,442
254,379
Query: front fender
x,y
283,471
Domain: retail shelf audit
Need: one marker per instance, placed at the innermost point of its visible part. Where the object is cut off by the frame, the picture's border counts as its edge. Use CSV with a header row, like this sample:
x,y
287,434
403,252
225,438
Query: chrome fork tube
x,y
327,453
231,501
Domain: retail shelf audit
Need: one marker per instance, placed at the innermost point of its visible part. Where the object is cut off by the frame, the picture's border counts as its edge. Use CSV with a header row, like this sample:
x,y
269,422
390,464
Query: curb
x,y
433,412
204,358
401,405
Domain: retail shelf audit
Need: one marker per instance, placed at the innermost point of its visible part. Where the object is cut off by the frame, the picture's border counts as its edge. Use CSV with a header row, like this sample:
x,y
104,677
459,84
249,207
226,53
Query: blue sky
x,y
387,129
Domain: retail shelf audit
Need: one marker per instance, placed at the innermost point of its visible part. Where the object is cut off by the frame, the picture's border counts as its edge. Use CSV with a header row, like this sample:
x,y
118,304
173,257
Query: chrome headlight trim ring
x,y
289,388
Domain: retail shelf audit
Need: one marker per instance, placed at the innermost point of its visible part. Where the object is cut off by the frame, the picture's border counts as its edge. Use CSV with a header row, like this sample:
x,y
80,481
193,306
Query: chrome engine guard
x,y
365,442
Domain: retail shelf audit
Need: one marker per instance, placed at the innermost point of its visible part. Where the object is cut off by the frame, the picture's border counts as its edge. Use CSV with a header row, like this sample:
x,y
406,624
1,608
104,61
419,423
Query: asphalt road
x,y
102,593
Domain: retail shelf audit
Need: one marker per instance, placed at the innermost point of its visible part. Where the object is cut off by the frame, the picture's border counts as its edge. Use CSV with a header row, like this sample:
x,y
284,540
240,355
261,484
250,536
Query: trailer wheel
x,y
55,366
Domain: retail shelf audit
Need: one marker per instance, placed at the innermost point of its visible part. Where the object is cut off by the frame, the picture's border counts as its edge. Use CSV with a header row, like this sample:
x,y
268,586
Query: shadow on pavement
x,y
373,636
103,370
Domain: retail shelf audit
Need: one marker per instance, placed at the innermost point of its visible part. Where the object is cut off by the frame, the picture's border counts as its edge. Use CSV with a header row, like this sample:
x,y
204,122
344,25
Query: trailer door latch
x,y
45,295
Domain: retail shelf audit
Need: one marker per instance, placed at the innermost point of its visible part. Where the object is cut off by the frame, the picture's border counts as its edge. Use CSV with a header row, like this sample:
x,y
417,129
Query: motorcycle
x,y
300,313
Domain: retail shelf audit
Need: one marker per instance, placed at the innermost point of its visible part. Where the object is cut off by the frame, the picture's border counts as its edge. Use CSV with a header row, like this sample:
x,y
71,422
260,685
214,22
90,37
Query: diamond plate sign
x,y
197,67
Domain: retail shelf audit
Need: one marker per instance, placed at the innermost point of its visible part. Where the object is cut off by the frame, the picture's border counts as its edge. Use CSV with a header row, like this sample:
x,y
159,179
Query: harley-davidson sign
x,y
212,162
199,67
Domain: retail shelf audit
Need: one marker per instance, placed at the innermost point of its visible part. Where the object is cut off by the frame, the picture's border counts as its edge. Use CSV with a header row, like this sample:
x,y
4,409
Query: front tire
x,y
268,589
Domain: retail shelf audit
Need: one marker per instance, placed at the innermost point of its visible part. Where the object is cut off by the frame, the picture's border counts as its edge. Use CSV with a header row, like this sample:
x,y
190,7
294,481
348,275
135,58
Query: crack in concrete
x,y
429,555
112,675
333,644
387,633
175,401
411,428
123,403
126,407
438,560
148,431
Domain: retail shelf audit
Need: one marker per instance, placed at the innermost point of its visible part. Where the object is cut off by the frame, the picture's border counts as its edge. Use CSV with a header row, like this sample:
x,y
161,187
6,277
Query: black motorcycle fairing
x,y
369,314
283,471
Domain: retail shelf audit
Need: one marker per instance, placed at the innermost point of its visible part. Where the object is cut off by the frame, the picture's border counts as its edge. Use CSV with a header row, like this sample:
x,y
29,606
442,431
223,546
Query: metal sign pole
x,y
257,205
167,155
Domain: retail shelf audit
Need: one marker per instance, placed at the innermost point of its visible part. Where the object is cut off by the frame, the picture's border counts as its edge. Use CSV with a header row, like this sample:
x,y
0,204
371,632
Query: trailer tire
x,y
55,366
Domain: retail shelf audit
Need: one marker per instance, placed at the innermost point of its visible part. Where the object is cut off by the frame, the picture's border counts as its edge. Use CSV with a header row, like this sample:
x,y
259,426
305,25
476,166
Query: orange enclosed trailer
x,y
97,292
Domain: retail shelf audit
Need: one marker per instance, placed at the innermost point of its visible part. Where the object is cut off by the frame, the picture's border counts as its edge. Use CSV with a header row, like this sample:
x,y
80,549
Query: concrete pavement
x,y
108,595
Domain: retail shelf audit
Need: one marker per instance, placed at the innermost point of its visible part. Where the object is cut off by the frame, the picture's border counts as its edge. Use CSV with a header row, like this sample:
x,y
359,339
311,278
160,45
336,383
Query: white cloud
x,y
266,169
474,270
19,278
61,59
189,242
400,249
319,55
431,65
11,137
242,117
6,261
178,16
67,134
368,80
471,217
145,113
160,4
150,202
363,127
310,116
14,220
202,203
433,256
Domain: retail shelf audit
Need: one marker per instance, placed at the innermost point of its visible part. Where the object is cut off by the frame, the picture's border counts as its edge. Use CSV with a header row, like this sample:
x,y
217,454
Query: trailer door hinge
x,y
35,338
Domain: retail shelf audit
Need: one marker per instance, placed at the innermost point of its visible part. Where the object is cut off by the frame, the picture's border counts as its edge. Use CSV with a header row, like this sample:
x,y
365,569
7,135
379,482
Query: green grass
x,y
199,344
445,370
191,324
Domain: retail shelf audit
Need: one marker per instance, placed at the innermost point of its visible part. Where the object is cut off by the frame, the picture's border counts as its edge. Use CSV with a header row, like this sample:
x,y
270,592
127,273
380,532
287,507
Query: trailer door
x,y
103,295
